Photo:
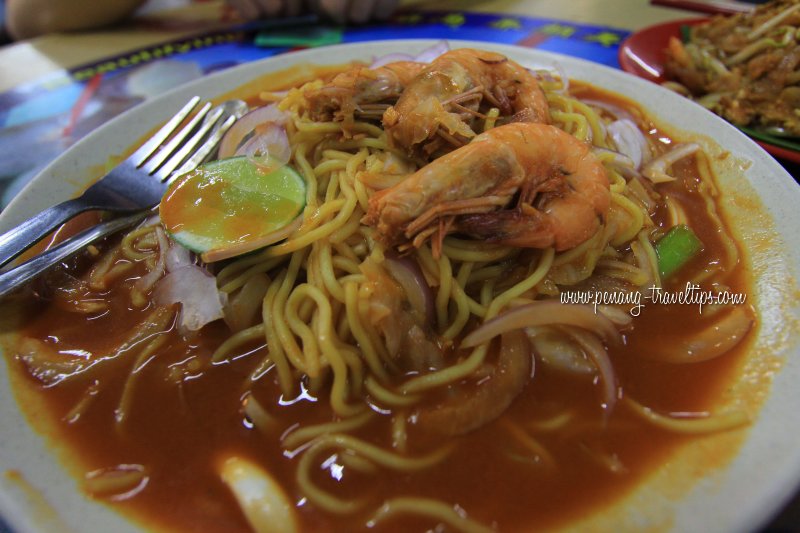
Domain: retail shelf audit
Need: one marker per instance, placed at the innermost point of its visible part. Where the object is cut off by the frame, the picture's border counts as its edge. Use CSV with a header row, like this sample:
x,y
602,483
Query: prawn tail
x,y
524,226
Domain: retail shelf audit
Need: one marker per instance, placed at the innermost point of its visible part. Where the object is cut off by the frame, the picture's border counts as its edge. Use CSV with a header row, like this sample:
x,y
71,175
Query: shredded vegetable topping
x,y
744,67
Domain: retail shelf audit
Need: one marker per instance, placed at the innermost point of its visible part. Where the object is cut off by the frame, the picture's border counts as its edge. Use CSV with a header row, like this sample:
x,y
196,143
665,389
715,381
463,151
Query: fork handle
x,y
28,271
17,240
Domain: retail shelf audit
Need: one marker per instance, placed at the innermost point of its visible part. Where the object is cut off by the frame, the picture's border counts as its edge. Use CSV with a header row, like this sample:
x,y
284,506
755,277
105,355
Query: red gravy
x,y
179,433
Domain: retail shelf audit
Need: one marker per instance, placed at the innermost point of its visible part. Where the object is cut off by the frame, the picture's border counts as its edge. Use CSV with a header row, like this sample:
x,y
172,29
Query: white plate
x,y
739,496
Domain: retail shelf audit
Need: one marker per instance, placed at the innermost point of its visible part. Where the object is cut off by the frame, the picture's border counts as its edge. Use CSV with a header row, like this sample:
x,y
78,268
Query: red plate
x,y
642,54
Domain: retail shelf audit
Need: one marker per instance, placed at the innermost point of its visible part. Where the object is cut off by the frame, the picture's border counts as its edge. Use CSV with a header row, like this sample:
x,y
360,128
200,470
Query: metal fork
x,y
13,279
137,183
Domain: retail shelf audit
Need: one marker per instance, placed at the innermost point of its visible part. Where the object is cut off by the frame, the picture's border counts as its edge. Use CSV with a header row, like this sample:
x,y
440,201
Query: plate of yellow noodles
x,y
495,289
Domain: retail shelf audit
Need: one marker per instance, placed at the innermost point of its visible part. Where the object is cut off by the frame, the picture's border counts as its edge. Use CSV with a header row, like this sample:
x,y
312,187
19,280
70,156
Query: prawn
x,y
522,184
435,108
360,89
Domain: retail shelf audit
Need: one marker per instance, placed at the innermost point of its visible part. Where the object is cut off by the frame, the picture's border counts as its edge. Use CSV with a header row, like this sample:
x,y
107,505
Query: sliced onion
x,y
715,340
246,125
543,314
619,113
630,140
150,221
616,315
656,170
244,307
562,73
426,56
407,273
178,257
144,283
621,162
119,482
556,351
390,58
432,52
263,502
269,148
196,291
465,410
599,356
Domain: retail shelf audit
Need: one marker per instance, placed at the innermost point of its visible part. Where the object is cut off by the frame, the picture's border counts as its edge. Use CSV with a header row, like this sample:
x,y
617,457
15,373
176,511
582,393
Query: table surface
x,y
50,53
30,60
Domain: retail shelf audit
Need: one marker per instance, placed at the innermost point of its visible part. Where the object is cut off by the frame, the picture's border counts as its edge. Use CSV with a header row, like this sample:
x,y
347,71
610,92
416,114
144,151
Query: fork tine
x,y
188,146
146,150
176,141
203,152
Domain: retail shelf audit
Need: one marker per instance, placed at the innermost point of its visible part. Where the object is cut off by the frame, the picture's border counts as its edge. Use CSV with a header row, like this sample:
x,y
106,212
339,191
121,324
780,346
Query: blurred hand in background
x,y
341,11
30,18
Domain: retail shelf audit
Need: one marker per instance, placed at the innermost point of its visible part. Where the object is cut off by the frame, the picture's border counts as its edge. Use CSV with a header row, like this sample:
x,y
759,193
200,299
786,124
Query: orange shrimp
x,y
434,108
561,190
358,88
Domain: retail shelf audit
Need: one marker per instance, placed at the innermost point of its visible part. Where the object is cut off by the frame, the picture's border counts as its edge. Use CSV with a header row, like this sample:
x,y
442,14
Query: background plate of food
x,y
511,301
742,67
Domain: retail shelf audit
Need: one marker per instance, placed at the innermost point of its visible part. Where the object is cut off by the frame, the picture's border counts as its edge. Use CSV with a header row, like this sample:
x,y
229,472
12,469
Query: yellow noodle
x,y
593,122
362,306
123,408
636,223
652,259
443,294
617,183
235,341
310,351
388,397
87,398
356,446
129,247
487,292
463,306
554,423
303,238
357,463
710,193
327,273
328,166
436,510
336,154
399,433
573,123
365,342
302,435
344,263
485,273
475,251
449,375
236,274
545,261
98,273
276,352
698,424
530,443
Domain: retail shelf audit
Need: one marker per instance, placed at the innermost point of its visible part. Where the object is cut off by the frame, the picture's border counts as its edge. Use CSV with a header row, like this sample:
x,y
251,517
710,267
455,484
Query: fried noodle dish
x,y
401,356
743,67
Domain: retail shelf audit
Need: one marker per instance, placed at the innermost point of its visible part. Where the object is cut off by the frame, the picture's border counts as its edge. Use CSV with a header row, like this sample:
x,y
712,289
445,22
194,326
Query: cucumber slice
x,y
231,206
676,248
